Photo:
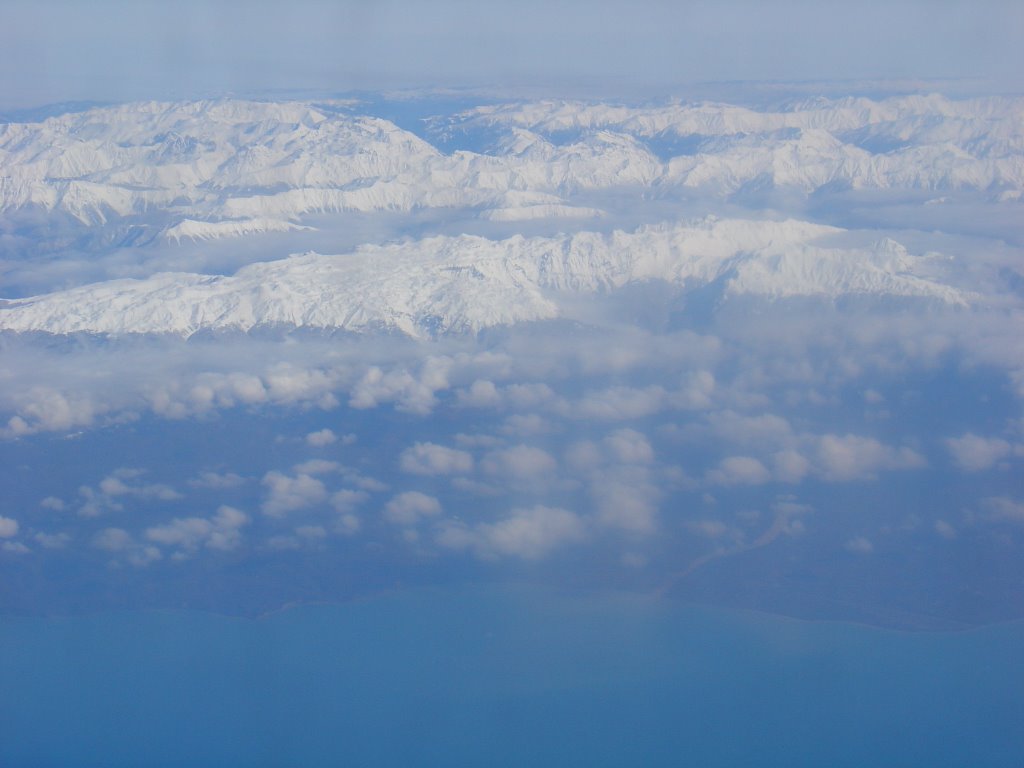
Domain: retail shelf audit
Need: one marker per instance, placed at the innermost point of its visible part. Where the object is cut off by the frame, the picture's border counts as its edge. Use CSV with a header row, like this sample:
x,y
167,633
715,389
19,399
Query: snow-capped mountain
x,y
198,171
468,283
246,166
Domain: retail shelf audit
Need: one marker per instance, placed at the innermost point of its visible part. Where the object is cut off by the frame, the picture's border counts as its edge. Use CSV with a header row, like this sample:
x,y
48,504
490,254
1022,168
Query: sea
x,y
504,675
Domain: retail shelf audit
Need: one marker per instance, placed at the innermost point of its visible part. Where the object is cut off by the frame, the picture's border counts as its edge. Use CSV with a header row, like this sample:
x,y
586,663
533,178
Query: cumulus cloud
x,y
765,429
52,502
520,462
222,531
321,438
52,540
348,524
410,507
974,454
860,545
620,403
696,392
118,487
790,466
217,481
529,534
711,529
627,446
44,409
406,391
584,455
480,394
1003,508
533,395
8,527
112,539
318,467
433,459
527,425
288,493
625,499
853,457
739,470
348,499
120,542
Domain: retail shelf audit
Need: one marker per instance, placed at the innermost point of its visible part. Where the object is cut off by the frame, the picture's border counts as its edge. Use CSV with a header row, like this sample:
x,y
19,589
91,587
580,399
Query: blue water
x,y
503,676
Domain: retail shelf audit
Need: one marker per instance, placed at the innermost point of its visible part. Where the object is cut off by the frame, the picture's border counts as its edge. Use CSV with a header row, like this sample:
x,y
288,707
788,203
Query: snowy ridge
x,y
993,122
218,161
467,283
190,229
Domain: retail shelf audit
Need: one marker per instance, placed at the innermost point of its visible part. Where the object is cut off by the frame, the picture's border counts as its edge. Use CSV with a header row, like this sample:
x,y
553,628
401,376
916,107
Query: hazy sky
x,y
113,49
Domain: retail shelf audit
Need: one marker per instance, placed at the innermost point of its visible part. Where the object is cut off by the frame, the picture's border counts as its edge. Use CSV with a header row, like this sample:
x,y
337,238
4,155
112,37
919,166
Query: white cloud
x,y
322,438
119,542
626,499
346,499
974,454
409,507
287,493
281,543
1004,508
52,502
8,527
520,462
860,546
696,392
627,446
433,459
400,387
187,533
348,524
526,533
318,467
945,530
119,486
852,457
739,470
480,394
712,529
763,430
528,395
620,403
584,455
790,466
526,425
44,409
15,547
290,383
115,485
222,531
873,397
217,481
478,441
113,540
52,540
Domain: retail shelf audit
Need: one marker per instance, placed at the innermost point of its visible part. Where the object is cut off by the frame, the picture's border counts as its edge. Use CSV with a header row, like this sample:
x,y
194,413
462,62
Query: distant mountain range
x,y
217,169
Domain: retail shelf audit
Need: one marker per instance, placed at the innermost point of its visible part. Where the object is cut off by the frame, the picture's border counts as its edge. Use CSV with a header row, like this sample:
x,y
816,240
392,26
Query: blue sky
x,y
59,50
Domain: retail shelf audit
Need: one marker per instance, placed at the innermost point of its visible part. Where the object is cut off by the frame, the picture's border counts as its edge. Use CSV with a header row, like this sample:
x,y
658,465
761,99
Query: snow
x,y
230,159
468,283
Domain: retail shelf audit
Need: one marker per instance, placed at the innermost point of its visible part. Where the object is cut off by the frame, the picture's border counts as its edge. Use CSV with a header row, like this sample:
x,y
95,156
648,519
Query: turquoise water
x,y
504,676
